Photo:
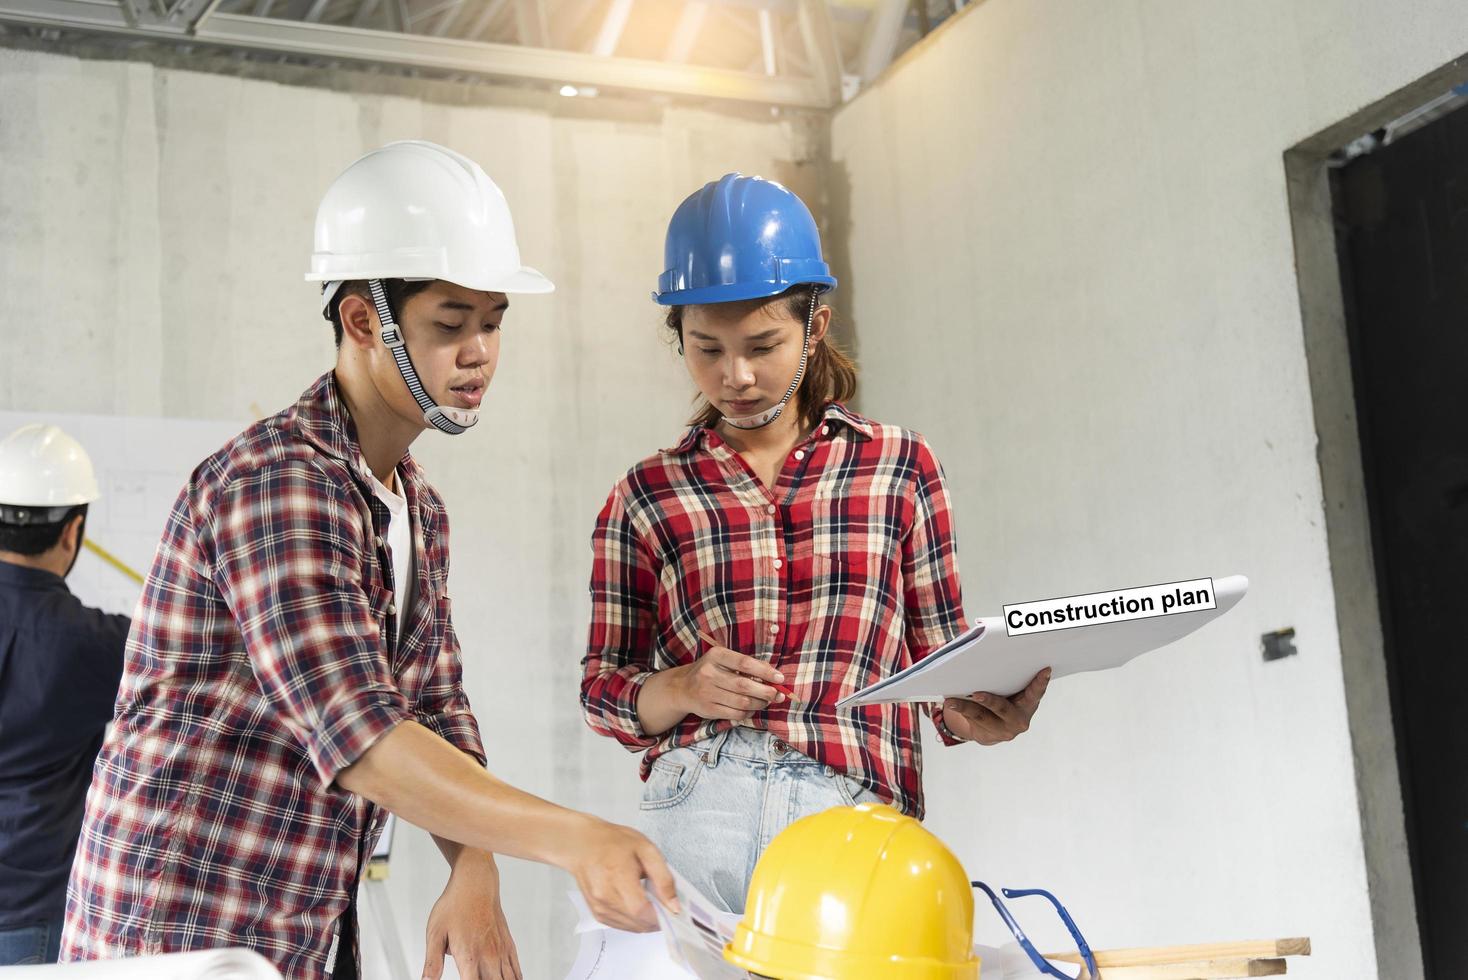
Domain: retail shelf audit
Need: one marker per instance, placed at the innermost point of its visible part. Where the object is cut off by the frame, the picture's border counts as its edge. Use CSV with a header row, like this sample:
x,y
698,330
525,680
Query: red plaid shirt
x,y
263,661
842,575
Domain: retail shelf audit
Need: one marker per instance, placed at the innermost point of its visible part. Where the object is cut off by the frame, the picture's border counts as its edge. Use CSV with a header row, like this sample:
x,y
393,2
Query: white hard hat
x,y
43,467
417,210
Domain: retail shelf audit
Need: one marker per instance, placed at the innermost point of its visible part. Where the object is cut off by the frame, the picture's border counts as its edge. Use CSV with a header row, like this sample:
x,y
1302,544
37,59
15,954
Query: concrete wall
x,y
1068,262
157,222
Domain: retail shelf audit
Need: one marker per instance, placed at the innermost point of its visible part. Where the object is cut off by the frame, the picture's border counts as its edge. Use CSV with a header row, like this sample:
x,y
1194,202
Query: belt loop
x,y
714,747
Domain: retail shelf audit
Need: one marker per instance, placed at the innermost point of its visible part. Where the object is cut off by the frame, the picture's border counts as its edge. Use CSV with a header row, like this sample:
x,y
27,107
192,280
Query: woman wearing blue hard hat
x,y
785,553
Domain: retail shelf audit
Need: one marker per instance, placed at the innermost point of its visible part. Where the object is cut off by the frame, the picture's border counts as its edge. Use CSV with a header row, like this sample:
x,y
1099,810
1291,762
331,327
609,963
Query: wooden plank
x,y
1220,969
1151,955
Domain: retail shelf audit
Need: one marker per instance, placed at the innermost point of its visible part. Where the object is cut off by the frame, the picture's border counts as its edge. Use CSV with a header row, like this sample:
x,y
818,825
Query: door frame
x,y
1348,529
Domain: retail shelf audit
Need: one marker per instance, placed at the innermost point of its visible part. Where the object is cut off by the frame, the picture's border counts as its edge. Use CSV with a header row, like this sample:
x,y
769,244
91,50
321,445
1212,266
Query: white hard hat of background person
x,y
417,211
46,478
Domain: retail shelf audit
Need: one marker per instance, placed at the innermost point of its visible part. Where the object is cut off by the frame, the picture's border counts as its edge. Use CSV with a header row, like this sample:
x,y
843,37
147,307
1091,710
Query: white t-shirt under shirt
x,y
399,543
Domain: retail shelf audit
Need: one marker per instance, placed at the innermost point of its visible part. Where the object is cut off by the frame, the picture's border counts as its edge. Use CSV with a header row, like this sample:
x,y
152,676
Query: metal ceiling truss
x,y
798,64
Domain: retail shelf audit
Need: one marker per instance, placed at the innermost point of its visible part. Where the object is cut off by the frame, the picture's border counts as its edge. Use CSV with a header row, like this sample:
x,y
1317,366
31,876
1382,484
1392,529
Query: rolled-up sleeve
x,y
287,560
623,617
444,708
932,595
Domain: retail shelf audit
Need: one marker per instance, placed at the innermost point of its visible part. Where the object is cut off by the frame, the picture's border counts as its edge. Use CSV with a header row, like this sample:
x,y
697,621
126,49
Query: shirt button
x,y
392,609
778,563
800,454
774,629
378,540
770,509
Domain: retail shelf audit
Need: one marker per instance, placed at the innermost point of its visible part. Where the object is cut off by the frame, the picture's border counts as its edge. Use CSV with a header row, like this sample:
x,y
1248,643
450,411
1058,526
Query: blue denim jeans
x,y
40,943
713,807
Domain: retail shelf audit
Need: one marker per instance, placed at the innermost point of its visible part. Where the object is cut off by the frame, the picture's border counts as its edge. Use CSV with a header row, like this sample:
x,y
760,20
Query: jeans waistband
x,y
750,745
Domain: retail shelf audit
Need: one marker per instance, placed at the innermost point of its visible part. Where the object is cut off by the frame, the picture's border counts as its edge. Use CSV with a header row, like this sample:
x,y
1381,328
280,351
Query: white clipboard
x,y
986,658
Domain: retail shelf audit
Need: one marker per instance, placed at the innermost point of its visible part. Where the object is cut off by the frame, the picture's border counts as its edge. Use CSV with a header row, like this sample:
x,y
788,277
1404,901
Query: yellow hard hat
x,y
857,893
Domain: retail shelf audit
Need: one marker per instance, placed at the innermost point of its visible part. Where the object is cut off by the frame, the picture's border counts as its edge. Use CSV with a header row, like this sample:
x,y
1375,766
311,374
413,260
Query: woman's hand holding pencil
x,y
723,683
774,681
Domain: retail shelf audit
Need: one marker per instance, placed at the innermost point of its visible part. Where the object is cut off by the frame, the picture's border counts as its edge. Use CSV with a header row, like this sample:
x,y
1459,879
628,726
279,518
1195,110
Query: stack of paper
x,y
1013,963
697,935
611,954
213,964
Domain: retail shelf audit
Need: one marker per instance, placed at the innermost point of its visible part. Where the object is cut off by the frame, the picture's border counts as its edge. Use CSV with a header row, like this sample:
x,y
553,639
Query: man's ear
x,y
359,321
72,533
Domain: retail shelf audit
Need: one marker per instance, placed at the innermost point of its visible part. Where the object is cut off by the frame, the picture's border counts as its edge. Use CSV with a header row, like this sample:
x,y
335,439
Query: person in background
x,y
60,663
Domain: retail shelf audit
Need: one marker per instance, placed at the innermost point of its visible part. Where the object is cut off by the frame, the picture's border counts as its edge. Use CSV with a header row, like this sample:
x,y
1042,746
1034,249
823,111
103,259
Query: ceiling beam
x,y
507,61
732,18
841,12
612,26
176,15
792,60
487,14
441,27
685,34
879,40
530,24
364,13
821,49
205,14
432,13
767,42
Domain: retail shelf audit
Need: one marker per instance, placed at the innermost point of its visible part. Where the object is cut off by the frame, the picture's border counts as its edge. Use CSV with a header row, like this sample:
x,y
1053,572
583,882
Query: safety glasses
x,y
1041,964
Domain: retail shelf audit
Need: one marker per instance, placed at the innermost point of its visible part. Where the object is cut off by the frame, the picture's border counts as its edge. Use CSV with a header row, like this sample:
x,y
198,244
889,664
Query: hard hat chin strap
x,y
451,420
769,415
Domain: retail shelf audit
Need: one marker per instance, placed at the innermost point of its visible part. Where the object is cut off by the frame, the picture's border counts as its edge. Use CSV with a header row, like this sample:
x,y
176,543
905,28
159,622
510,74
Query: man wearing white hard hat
x,y
294,674
60,662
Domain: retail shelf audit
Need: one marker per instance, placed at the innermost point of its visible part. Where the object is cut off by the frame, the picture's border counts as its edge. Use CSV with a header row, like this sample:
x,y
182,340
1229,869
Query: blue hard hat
x,y
740,238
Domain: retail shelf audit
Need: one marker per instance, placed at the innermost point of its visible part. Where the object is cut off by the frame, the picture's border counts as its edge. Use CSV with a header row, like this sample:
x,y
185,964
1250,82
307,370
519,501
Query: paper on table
x,y
212,964
686,950
697,935
987,659
1012,963
611,954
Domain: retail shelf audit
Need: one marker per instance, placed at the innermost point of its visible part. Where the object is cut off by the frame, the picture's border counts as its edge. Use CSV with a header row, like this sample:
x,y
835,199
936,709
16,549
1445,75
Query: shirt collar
x,y
837,413
25,577
322,419
392,499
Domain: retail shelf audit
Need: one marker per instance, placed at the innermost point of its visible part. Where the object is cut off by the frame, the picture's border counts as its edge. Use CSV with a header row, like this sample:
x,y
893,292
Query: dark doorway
x,y
1402,225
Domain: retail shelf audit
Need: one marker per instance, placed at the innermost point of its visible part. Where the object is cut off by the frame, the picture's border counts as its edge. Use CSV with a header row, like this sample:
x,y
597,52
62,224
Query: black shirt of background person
x,y
60,665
